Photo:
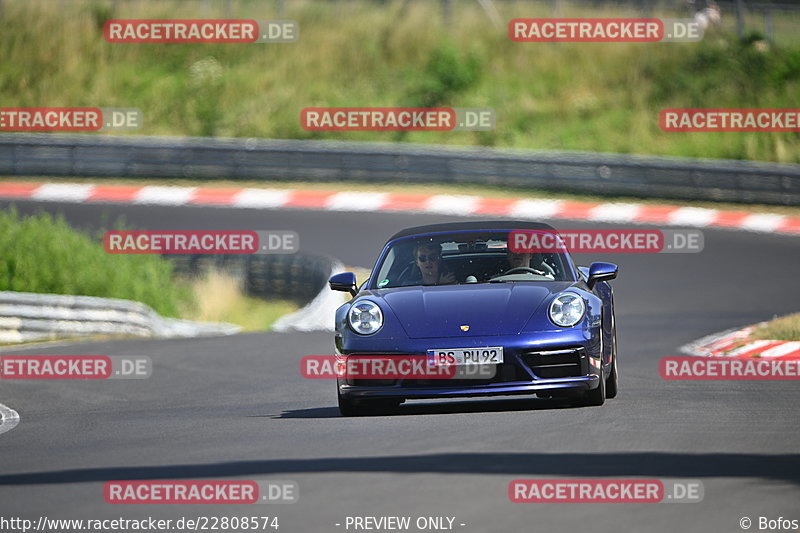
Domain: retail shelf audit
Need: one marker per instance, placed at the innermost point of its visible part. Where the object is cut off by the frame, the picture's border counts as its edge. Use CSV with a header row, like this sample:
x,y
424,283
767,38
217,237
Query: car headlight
x,y
567,309
365,317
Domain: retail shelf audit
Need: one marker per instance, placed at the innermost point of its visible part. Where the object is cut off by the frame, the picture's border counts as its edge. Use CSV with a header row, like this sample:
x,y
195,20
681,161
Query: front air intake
x,y
563,363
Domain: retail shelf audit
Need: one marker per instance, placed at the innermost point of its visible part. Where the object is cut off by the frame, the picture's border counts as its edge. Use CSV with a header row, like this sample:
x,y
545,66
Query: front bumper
x,y
582,383
558,362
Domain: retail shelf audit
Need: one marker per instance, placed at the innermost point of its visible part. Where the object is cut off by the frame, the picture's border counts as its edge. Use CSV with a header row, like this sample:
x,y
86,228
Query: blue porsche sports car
x,y
460,294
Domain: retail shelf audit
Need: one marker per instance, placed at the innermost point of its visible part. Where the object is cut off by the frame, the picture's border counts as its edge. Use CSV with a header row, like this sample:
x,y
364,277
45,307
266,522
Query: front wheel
x,y
596,396
612,381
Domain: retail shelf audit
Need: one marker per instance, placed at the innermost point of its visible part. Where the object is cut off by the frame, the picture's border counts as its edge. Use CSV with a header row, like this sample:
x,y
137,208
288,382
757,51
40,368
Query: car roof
x,y
482,225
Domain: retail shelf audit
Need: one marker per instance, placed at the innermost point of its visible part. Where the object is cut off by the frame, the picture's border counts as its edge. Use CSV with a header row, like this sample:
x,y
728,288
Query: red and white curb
x,y
737,343
460,205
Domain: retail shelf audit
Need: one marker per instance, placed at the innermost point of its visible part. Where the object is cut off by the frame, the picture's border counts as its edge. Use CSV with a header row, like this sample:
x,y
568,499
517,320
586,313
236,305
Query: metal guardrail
x,y
26,316
301,278
256,159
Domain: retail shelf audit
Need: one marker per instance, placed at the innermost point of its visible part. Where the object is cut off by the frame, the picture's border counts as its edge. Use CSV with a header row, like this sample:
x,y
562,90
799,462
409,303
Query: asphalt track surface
x,y
237,407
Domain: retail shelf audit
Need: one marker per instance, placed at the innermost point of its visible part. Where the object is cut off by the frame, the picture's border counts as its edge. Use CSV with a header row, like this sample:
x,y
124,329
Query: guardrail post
x,y
447,12
740,18
768,27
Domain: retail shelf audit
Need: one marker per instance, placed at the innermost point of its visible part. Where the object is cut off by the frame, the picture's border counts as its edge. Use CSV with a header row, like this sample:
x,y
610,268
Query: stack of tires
x,y
295,277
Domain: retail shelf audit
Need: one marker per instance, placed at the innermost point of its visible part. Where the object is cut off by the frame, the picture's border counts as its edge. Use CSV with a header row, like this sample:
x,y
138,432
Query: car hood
x,y
488,309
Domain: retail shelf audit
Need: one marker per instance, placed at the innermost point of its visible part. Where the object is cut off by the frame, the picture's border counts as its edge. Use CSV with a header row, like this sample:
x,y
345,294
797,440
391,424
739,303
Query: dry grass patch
x,y
218,297
785,328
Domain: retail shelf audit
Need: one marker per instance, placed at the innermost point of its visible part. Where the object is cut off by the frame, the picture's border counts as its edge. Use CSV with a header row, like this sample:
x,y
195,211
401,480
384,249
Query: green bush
x,y
446,74
43,254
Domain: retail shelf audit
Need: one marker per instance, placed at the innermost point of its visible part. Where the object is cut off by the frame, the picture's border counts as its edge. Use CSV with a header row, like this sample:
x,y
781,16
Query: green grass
x,y
572,96
785,328
43,254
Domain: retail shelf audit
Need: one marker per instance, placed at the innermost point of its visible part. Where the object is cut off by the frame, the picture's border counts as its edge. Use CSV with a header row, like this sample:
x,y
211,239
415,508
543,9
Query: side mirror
x,y
345,282
601,272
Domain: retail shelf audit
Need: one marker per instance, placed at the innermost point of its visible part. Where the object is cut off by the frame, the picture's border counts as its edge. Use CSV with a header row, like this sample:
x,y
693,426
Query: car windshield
x,y
466,257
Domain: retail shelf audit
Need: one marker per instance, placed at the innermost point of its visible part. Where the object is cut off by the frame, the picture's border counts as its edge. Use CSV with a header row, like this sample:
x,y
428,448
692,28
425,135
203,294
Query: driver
x,y
428,258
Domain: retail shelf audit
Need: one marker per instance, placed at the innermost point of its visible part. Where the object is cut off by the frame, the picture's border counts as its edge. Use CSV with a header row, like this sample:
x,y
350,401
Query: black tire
x,y
612,382
595,397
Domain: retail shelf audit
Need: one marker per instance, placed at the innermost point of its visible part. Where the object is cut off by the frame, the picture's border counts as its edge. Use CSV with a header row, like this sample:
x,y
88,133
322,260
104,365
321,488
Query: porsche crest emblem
x,y
465,327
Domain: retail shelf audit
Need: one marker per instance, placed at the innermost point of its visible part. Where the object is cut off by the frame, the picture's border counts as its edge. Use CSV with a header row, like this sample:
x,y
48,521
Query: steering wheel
x,y
521,269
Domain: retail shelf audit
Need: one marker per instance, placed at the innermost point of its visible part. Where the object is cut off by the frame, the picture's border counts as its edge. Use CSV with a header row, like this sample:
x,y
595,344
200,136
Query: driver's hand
x,y
447,278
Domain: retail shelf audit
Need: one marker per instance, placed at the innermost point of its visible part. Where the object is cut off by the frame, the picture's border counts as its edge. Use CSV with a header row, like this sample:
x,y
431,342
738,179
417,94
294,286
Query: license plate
x,y
466,356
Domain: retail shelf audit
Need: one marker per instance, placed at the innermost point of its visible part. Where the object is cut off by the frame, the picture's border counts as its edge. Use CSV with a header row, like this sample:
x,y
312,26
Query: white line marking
x,y
62,192
448,204
781,350
9,418
535,209
692,216
762,222
164,195
356,201
261,198
614,212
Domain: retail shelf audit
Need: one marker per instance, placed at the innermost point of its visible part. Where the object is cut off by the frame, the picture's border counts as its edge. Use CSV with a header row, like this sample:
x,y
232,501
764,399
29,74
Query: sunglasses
x,y
422,258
